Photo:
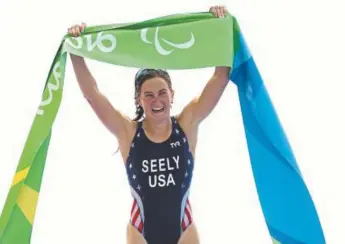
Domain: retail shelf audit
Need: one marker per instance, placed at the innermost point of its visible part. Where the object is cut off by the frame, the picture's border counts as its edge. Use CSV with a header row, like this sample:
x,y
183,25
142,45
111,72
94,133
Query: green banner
x,y
182,41
175,42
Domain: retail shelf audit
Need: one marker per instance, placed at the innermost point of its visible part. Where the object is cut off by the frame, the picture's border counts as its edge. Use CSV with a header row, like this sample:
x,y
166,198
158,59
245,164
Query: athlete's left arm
x,y
200,107
211,94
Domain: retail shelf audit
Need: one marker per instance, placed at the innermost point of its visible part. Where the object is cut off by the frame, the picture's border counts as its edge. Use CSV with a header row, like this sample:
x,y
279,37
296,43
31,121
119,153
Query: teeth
x,y
157,109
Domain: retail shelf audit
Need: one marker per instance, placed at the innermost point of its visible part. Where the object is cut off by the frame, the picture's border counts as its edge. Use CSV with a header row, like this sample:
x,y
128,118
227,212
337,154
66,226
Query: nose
x,y
155,97
156,100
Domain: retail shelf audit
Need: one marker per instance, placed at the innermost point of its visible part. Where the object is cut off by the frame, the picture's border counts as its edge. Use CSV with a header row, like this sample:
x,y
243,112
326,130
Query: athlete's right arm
x,y
113,119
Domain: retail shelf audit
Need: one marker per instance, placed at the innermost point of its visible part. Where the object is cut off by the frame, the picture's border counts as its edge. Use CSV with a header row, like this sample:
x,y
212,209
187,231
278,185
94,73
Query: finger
x,y
224,11
73,31
219,12
213,11
77,31
83,25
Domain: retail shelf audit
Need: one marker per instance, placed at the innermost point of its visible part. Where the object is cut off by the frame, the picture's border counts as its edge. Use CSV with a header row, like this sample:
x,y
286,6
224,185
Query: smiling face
x,y
156,98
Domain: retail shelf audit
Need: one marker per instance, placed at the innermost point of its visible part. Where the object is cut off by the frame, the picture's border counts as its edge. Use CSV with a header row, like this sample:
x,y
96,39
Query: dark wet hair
x,y
141,76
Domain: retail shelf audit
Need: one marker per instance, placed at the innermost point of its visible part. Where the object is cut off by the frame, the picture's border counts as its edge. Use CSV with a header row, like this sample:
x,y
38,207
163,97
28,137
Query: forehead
x,y
154,84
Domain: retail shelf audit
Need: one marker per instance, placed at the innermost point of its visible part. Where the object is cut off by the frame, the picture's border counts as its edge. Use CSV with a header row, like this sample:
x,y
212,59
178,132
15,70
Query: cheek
x,y
170,98
165,99
146,104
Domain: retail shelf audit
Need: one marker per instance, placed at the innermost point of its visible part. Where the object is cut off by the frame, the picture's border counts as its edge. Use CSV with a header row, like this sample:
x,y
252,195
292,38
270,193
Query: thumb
x,y
83,25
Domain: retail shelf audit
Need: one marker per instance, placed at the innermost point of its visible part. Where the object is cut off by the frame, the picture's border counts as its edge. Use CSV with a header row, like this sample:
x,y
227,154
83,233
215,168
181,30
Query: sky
x,y
298,48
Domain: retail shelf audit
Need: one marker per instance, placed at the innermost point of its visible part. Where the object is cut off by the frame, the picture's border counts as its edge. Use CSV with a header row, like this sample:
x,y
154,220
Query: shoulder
x,y
186,116
189,126
130,127
186,119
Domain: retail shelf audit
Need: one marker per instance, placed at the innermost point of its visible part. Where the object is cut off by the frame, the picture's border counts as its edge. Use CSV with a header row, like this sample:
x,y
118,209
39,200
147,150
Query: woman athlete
x,y
158,149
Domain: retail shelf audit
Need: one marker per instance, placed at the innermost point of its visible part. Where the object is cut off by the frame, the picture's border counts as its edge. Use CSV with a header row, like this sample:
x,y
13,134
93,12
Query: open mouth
x,y
158,110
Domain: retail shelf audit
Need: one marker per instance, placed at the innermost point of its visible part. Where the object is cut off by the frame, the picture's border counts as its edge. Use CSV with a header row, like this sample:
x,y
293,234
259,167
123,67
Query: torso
x,y
159,173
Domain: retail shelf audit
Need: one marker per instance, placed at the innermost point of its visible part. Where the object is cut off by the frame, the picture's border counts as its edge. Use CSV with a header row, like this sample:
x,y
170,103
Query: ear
x,y
172,95
137,102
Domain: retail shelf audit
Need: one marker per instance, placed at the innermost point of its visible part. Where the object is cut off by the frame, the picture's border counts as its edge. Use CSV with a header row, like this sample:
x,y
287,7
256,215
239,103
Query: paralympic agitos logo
x,y
158,46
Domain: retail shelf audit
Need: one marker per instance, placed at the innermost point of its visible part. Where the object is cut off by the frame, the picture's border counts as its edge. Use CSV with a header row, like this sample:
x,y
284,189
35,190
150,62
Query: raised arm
x,y
114,120
199,108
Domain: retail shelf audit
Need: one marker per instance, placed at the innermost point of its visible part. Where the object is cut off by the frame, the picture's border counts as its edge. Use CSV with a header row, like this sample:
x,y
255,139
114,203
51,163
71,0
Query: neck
x,y
158,127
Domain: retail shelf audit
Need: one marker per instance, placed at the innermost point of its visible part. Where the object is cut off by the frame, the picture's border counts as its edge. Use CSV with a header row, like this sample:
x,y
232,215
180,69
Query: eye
x,y
163,92
148,95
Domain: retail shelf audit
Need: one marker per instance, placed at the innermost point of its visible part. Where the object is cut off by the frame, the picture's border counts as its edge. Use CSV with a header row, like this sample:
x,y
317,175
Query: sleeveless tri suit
x,y
160,175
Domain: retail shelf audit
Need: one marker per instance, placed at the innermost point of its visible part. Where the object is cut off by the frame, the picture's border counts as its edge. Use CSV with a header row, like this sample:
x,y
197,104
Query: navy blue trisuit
x,y
160,175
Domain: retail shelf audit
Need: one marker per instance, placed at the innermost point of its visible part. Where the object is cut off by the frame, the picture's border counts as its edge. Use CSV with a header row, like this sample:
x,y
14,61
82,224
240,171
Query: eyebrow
x,y
149,92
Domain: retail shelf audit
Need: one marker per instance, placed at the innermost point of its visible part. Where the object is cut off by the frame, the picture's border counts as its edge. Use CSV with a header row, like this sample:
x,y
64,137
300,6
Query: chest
x,y
163,165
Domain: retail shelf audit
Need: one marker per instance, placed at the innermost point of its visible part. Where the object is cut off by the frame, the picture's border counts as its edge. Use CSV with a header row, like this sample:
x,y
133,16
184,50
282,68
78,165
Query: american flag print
x,y
136,217
187,216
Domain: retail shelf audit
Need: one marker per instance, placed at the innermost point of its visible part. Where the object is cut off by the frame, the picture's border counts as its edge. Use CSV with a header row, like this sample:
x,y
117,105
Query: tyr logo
x,y
175,144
